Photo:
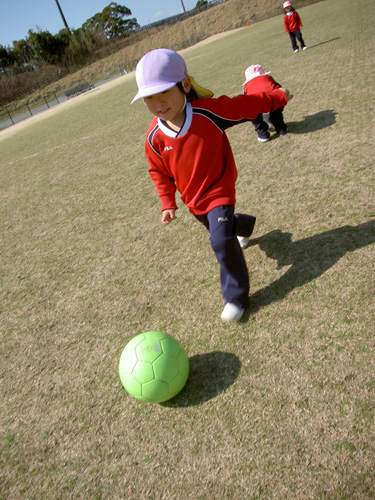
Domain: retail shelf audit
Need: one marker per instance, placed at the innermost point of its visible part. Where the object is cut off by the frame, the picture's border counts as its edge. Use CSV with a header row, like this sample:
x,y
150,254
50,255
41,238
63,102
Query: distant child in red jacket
x,y
257,80
293,25
188,150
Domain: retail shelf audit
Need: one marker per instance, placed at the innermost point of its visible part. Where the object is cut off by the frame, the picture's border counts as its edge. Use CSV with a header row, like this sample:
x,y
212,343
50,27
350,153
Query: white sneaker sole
x,y
231,312
243,241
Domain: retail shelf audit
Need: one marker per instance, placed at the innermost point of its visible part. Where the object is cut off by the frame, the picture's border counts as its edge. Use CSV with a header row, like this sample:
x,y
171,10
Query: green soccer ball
x,y
153,367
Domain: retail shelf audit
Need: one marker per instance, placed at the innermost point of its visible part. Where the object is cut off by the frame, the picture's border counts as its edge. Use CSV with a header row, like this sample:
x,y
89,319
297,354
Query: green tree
x,y
64,36
23,53
200,3
46,47
111,22
68,46
7,59
82,44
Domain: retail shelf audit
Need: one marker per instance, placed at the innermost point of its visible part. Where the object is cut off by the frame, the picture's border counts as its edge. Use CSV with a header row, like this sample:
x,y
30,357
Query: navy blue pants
x,y
261,127
296,34
224,226
277,120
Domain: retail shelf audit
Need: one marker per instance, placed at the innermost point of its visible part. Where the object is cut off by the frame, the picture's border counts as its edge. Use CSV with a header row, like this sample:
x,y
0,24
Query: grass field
x,y
279,406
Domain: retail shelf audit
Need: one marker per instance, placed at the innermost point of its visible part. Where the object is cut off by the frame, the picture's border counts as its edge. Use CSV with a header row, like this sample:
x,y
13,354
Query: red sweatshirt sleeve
x,y
241,108
286,24
162,179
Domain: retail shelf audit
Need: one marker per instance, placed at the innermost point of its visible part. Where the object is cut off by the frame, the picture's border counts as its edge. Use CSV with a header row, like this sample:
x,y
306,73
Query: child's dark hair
x,y
191,95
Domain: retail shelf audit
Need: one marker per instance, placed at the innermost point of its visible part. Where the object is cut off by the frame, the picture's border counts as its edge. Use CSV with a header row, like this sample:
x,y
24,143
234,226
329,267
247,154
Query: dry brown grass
x,y
230,15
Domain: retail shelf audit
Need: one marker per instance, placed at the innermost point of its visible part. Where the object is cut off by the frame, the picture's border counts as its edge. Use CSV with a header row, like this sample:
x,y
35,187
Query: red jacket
x,y
260,84
198,160
292,21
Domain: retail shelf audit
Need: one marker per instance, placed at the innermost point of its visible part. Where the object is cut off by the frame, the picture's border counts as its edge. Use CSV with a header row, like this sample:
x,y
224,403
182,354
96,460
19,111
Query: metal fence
x,y
7,119
17,115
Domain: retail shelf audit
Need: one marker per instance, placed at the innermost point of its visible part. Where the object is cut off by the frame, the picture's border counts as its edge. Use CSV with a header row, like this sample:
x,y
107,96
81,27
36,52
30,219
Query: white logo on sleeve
x,y
167,148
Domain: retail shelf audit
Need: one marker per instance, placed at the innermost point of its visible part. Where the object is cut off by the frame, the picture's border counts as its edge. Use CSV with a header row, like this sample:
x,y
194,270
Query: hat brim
x,y
154,89
255,76
201,92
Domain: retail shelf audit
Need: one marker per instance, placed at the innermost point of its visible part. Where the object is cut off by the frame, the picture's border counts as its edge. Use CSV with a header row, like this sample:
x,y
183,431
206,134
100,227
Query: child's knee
x,y
224,244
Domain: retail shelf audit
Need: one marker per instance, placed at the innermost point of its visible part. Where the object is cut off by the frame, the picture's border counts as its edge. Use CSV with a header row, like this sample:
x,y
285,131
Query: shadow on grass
x,y
309,258
210,374
323,43
312,123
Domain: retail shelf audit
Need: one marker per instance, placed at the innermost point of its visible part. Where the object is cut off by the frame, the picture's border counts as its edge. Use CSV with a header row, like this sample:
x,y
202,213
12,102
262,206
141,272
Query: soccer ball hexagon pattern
x,y
153,367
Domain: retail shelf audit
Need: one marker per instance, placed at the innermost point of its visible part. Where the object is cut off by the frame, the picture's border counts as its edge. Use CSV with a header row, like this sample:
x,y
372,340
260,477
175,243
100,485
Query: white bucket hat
x,y
160,70
253,71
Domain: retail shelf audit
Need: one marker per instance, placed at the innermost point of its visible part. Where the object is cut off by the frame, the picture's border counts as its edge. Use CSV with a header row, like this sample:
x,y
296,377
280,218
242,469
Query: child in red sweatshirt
x,y
188,150
293,25
257,80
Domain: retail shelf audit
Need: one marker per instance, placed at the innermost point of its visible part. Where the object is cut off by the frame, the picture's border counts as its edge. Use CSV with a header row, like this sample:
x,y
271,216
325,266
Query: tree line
x,y
68,47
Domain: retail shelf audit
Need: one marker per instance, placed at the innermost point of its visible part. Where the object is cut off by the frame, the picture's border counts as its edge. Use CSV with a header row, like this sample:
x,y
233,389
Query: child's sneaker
x,y
243,241
231,312
283,132
263,136
295,51
304,48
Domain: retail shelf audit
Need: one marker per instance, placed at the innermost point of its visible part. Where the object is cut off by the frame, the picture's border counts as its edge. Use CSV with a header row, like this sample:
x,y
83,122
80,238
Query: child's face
x,y
289,8
167,105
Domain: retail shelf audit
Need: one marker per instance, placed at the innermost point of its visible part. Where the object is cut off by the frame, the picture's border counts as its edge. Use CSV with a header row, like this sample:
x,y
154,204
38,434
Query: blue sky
x,y
18,16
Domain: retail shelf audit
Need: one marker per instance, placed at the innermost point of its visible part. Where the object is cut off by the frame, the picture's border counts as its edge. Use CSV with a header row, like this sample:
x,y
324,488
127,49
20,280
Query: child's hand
x,y
289,96
168,216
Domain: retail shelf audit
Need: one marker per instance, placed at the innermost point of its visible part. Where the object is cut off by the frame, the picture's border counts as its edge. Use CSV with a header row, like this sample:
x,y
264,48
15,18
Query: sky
x,y
18,16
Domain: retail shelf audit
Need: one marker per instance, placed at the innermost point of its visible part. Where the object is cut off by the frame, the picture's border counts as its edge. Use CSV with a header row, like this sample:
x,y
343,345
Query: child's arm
x,y
289,96
164,184
286,25
228,112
